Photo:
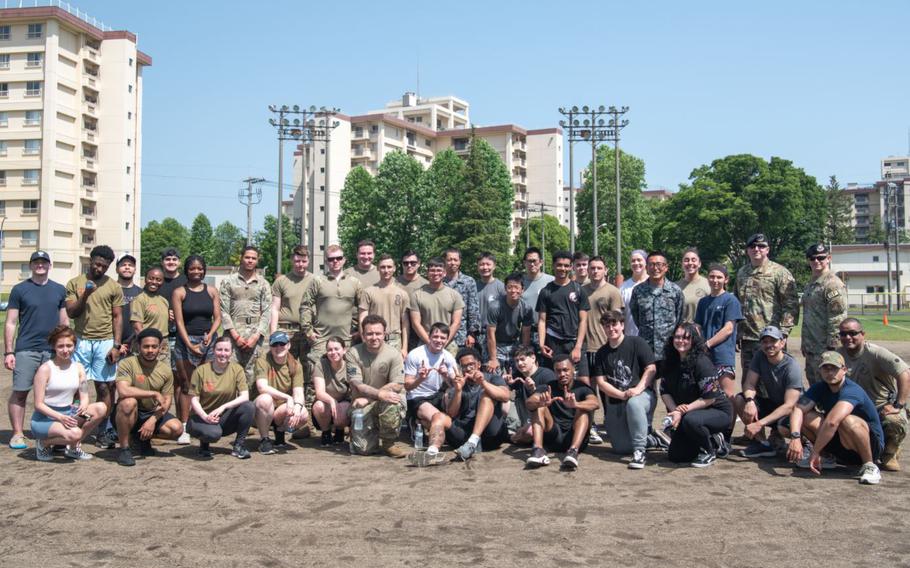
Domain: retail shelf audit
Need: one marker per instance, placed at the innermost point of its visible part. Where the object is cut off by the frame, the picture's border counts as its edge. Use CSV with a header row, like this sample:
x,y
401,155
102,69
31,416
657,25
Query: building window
x,y
127,169
131,61
429,143
322,170
2,147
4,119
2,178
33,118
4,60
130,89
374,128
32,147
322,150
35,31
127,226
129,115
33,89
321,188
30,207
31,177
29,238
127,196
34,60
4,90
874,259
129,142
3,208
4,33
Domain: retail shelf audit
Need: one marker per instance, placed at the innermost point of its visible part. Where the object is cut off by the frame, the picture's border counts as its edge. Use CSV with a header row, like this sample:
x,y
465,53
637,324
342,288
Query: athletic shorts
x,y
491,438
41,423
92,354
182,352
557,439
145,415
414,403
27,363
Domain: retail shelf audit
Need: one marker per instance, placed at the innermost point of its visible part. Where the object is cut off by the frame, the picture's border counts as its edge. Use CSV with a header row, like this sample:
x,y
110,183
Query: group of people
x,y
362,353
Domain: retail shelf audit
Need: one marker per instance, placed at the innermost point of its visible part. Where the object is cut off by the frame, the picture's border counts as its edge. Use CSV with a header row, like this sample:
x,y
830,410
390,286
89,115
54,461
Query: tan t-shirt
x,y
213,389
150,311
436,305
415,284
374,370
693,292
155,376
96,321
391,302
279,377
876,370
367,278
602,300
336,382
290,288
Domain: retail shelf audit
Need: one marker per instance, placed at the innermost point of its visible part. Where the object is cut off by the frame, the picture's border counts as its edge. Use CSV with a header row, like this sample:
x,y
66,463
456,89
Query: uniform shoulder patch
x,y
832,294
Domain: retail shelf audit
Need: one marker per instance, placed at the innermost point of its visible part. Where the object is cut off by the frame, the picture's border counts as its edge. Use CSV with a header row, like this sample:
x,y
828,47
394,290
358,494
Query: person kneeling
x,y
220,401
145,388
560,416
279,382
333,394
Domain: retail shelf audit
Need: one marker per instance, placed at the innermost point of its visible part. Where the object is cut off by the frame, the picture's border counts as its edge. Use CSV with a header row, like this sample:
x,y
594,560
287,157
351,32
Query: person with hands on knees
x,y
848,427
280,402
197,313
221,403
55,420
696,404
427,371
560,415
145,388
333,394
528,374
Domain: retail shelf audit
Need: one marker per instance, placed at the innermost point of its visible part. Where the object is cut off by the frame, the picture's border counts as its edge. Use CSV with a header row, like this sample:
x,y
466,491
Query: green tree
x,y
266,241
403,212
201,237
443,181
358,199
158,236
556,237
227,242
636,215
838,211
481,214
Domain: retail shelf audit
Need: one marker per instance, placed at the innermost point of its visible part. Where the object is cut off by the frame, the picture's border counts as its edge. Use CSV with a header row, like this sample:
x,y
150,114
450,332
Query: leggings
x,y
237,419
694,433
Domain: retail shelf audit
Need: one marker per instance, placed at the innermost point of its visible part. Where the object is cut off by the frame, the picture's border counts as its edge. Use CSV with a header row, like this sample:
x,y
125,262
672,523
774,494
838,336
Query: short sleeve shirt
x,y
96,321
603,299
774,380
374,370
686,384
214,389
876,370
712,315
562,415
863,406
279,377
336,382
290,288
486,295
509,320
391,302
369,277
693,292
39,312
563,306
470,398
436,306
155,376
533,288
130,293
622,366
422,356
151,311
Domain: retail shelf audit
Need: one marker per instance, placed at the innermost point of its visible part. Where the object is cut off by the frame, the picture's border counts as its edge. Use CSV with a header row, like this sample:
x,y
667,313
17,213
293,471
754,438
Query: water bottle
x,y
418,437
358,420
667,424
89,285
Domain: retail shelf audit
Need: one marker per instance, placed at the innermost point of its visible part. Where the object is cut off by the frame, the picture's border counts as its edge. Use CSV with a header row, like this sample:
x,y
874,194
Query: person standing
x,y
246,304
509,323
95,302
824,303
580,263
126,270
469,329
657,306
173,279
436,303
638,261
489,289
693,285
410,279
389,300
329,307
37,305
767,294
535,279
562,324
364,269
287,295
150,310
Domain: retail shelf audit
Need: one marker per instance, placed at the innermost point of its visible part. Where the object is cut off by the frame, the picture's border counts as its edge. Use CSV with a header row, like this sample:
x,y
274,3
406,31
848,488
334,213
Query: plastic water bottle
x,y
418,437
667,423
358,420
89,285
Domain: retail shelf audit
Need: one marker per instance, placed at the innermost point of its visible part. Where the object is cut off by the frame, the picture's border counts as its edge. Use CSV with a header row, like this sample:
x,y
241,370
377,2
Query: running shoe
x,y
266,447
638,460
105,440
869,474
204,451
467,450
758,449
18,442
76,453
326,438
184,438
594,438
239,451
125,457
538,458
338,438
42,452
570,461
704,458
721,446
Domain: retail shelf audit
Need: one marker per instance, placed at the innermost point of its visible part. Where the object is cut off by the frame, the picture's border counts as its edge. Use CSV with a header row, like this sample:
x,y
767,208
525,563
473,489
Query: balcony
x,y
88,163
91,53
89,133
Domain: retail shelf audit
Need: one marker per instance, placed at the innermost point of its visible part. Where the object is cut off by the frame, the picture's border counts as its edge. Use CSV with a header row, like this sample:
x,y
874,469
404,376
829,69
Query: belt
x,y
288,325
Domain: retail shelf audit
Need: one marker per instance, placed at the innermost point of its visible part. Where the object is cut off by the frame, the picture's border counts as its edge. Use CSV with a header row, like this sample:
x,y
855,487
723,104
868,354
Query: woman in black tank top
x,y
197,313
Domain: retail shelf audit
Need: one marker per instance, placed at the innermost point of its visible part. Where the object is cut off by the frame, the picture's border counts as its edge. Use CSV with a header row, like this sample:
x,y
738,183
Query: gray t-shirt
x,y
486,295
423,356
774,380
509,321
533,288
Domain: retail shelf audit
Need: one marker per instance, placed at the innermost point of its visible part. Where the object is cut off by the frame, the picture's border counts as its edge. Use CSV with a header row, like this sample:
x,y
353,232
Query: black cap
x,y
39,255
757,238
816,249
126,257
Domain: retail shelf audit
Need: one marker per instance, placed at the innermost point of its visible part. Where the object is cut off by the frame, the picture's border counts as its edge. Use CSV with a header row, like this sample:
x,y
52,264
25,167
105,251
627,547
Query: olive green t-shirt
x,y
693,292
367,277
374,370
415,284
155,376
436,305
290,288
213,389
391,302
602,300
279,377
96,321
336,382
876,369
151,311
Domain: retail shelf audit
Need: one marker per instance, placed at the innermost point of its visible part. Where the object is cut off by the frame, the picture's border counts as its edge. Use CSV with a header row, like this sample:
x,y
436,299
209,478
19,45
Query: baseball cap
x,y
278,337
817,248
757,238
126,257
771,331
39,255
832,358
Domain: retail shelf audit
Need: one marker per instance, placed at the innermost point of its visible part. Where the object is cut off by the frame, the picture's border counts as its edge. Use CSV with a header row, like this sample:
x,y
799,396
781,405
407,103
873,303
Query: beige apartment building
x,y
70,139
422,127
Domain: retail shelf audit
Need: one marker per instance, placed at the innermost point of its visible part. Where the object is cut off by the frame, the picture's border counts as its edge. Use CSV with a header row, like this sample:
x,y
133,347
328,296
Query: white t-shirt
x,y
423,356
626,292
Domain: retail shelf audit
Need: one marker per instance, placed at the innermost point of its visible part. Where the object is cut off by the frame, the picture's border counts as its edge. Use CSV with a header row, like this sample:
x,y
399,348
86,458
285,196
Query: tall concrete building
x,y
422,127
70,139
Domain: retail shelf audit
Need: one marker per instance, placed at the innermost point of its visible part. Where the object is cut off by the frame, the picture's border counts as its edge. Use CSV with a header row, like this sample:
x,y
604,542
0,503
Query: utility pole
x,y
543,231
250,196
615,126
569,113
895,224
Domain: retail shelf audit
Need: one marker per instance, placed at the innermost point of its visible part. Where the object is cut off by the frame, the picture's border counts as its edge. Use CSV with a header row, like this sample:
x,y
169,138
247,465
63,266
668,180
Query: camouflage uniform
x,y
246,307
824,307
767,294
382,420
291,288
657,310
329,308
470,321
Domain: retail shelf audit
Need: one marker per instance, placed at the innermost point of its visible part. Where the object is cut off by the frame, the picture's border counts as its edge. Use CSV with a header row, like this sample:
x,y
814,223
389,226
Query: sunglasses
x,y
335,258
819,258
849,333
758,246
409,262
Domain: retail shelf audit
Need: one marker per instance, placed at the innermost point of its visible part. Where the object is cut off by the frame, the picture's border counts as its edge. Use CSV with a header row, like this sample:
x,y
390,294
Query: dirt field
x,y
312,506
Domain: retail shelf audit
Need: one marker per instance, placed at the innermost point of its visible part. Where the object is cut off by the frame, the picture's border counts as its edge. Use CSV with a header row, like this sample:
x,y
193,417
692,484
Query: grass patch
x,y
876,330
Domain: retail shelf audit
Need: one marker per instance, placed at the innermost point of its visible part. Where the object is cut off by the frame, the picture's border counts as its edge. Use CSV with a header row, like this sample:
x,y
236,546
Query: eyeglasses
x,y
819,258
849,333
335,258
532,261
409,262
758,246
657,264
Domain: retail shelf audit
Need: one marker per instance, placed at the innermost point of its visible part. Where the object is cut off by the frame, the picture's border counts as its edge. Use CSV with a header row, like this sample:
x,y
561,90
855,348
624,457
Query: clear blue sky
x,y
823,84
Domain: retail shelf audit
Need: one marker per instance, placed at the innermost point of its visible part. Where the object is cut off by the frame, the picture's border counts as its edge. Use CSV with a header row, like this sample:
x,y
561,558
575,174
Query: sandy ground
x,y
313,506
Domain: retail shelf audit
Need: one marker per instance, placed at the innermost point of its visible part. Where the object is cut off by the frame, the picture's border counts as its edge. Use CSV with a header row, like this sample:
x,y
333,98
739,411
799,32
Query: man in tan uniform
x,y
287,295
246,302
824,303
329,306
410,279
694,285
364,269
436,303
392,302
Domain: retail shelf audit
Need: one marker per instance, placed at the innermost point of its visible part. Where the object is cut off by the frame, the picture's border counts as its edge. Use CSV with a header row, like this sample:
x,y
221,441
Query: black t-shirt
x,y
623,366
562,305
126,329
470,398
167,290
688,384
562,415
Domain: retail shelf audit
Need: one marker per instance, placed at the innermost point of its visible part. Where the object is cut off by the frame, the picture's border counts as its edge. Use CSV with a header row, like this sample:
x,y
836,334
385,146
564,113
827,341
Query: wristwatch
x,y
899,405
749,398
796,435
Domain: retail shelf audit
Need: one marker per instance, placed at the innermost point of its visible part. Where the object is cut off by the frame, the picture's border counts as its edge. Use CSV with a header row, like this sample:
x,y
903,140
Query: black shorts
x,y
560,346
849,457
145,415
491,438
414,404
558,439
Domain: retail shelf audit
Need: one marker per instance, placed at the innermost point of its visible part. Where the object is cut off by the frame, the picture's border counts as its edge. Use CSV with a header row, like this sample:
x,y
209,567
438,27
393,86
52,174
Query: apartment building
x,y
870,204
70,139
422,127
895,167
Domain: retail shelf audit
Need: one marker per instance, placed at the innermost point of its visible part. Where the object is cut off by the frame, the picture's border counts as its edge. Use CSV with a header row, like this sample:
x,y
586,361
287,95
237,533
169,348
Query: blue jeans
x,y
628,421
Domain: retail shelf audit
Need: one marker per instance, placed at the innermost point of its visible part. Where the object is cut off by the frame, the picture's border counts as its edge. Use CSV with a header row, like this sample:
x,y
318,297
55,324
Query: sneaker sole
x,y
537,463
767,454
869,481
570,464
699,464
